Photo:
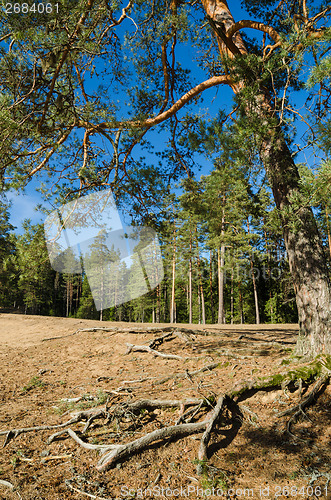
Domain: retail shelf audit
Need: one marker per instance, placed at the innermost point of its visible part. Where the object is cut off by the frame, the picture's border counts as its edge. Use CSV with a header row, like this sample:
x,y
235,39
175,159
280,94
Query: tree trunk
x,y
211,286
67,297
269,272
201,294
172,305
231,303
241,309
220,264
256,300
190,283
328,228
158,303
303,243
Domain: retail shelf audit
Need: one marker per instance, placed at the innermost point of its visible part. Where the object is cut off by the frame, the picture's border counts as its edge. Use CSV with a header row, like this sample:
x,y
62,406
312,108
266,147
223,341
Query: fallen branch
x,y
7,484
75,417
81,492
146,348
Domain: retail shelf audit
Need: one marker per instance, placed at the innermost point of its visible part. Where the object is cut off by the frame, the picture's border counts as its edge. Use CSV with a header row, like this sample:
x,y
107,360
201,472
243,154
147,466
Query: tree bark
x,y
172,306
256,299
201,294
190,282
211,285
220,265
328,227
220,262
307,261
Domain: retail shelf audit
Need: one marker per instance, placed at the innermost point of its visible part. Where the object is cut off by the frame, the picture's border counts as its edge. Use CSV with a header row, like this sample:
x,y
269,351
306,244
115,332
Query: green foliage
x,y
36,275
34,383
59,79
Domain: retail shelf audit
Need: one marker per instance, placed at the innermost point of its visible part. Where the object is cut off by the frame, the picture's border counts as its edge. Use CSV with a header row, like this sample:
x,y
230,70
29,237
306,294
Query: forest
x,y
223,256
211,131
206,123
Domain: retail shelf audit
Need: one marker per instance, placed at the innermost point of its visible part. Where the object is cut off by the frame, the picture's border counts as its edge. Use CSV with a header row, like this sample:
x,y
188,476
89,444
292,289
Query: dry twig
x,y
146,348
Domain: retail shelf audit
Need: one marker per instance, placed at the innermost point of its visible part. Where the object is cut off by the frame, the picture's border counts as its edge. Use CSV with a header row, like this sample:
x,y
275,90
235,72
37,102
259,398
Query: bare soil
x,y
257,460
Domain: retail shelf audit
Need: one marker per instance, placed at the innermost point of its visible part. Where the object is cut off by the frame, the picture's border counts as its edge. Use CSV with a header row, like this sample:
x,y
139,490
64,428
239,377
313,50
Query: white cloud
x,y
23,207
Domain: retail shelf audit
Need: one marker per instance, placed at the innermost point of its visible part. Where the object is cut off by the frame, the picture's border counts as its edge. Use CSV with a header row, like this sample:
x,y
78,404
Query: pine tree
x,y
36,277
8,274
44,102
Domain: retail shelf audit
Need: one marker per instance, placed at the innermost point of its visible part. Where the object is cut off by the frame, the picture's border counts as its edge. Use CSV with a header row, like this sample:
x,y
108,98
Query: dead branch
x,y
146,348
81,492
75,417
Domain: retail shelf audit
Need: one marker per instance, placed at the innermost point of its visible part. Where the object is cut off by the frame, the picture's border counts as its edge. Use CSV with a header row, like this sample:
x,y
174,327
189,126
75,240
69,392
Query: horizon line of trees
x,y
223,255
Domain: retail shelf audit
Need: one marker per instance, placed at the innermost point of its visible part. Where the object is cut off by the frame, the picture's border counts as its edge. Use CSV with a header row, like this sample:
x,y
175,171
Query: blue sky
x,y
23,205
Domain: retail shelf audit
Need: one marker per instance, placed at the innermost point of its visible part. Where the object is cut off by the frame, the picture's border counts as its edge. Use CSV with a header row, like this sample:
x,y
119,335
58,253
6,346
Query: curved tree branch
x,y
150,122
254,25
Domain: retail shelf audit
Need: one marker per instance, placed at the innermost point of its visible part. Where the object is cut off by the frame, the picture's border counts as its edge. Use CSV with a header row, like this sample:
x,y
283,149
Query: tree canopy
x,y
83,86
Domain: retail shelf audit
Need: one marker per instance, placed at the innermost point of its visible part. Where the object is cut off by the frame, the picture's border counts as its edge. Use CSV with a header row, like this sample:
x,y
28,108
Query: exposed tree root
x,y
75,417
191,374
298,410
202,453
195,414
124,451
150,348
179,332
114,330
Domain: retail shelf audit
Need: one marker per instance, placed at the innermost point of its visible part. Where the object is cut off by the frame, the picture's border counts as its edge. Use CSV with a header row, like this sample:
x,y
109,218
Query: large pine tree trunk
x,y
303,243
304,248
328,227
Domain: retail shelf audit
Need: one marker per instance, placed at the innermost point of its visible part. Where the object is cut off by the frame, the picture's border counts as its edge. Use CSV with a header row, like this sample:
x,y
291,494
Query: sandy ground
x,y
43,361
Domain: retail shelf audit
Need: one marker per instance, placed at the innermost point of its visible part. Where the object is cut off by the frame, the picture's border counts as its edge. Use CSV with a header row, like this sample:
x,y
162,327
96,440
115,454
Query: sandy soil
x,y
43,361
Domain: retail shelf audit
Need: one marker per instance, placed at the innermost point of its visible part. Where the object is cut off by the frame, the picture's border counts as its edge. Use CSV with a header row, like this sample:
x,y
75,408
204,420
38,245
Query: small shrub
x,y
34,383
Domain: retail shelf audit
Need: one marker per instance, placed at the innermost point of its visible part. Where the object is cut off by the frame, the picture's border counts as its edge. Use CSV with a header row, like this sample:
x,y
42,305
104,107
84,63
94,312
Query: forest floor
x,y
49,370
